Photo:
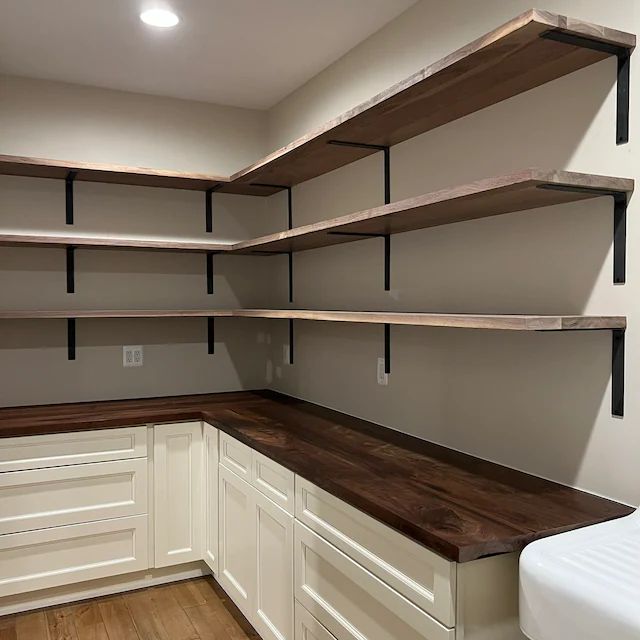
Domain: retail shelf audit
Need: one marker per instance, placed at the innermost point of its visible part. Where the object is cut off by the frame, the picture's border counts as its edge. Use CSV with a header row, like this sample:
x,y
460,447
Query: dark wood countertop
x,y
455,504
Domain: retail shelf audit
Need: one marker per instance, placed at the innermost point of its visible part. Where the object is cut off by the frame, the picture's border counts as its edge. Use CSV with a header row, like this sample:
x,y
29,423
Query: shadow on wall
x,y
176,360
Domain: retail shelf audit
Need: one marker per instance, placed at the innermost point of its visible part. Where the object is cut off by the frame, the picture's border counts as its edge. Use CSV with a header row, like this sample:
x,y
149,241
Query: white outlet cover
x,y
132,356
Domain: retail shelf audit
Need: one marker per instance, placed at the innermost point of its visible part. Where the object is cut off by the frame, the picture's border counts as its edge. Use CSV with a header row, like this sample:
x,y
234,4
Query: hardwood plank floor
x,y
195,609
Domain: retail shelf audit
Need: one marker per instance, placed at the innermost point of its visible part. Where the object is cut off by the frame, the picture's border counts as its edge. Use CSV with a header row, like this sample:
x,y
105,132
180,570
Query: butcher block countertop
x,y
460,506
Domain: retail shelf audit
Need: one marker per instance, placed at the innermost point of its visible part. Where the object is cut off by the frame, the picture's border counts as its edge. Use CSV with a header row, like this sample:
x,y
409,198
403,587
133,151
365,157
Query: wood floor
x,y
191,610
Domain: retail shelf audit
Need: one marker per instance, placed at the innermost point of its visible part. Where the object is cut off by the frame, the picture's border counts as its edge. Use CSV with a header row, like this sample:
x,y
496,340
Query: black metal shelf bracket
x,y
617,372
68,192
289,191
386,151
71,338
208,207
620,202
71,269
290,340
623,55
209,261
211,347
387,348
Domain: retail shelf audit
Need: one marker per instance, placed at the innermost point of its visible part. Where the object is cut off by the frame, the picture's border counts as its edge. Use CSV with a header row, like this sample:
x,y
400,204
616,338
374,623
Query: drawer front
x,y
42,498
60,449
350,601
273,480
235,456
66,555
308,628
425,578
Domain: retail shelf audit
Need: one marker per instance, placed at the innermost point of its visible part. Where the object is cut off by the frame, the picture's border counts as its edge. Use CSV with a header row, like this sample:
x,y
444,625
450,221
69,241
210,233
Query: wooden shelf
x,y
507,61
493,196
25,240
503,63
110,173
454,320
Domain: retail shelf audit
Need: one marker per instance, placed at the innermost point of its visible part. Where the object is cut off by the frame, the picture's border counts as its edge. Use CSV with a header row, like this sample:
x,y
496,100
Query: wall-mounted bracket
x,y
623,76
71,270
208,207
289,191
209,260
210,335
617,371
387,348
290,340
620,201
71,338
386,151
387,250
68,191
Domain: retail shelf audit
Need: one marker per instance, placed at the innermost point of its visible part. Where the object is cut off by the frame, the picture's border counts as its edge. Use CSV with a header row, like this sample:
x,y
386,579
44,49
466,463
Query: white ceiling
x,y
248,53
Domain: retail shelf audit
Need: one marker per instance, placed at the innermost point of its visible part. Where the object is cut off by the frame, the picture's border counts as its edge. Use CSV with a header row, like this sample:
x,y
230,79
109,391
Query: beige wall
x,y
538,402
69,122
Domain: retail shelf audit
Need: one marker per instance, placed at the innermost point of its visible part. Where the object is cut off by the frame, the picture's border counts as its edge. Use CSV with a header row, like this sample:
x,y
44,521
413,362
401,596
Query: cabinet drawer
x,y
59,449
65,555
425,578
350,601
42,498
273,480
308,628
235,456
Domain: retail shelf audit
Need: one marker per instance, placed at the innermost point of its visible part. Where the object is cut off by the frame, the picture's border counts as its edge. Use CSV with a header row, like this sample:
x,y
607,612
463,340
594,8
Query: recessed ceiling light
x,y
159,18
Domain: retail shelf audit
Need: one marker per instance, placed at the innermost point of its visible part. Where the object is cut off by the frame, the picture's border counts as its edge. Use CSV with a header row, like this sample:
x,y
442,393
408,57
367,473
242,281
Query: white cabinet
x,y
43,498
308,628
210,496
255,564
65,555
274,570
178,483
237,548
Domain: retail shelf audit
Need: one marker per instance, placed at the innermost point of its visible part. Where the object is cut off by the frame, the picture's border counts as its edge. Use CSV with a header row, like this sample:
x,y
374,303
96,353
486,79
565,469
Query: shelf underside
x,y
511,59
455,320
528,189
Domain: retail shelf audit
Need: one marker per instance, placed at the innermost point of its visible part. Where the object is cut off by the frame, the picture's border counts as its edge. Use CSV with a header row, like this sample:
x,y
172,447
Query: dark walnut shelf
x,y
452,320
509,60
455,504
528,189
109,173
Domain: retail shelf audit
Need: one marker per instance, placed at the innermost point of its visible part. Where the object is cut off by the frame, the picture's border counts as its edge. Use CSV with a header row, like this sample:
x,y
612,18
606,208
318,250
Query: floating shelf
x,y
529,189
530,50
452,320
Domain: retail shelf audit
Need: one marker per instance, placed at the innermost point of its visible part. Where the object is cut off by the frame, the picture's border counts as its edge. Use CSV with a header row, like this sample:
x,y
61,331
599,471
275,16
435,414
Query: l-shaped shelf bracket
x,y
623,55
71,338
620,202
71,269
68,192
617,371
211,335
288,189
387,348
386,150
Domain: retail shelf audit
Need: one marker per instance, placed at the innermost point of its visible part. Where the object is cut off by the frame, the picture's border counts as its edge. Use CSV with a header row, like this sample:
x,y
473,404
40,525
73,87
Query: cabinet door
x,y
210,549
237,540
273,610
177,471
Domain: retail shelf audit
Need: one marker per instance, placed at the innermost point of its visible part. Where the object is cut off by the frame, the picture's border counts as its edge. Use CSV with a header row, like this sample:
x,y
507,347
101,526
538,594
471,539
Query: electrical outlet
x,y
383,378
132,356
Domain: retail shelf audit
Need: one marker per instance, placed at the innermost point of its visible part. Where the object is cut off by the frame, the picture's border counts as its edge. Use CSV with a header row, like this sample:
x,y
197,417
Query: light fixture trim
x,y
162,18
